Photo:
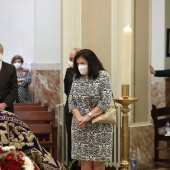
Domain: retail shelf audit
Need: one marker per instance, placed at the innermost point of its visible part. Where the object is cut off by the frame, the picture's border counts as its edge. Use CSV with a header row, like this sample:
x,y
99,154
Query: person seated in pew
x,y
14,132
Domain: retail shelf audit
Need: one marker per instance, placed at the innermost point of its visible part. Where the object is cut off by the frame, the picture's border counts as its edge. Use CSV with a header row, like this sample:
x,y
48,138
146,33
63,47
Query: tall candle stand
x,y
125,101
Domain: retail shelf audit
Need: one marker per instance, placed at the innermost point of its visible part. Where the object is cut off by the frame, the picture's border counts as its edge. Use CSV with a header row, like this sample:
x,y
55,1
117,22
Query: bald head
x,y
72,55
73,52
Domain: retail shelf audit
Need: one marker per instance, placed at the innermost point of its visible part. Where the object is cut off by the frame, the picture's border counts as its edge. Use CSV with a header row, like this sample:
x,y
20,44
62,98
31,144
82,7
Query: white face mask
x,y
17,65
70,63
0,57
83,69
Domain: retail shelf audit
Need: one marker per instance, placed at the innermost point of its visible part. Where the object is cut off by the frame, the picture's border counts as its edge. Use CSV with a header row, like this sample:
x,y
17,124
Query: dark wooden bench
x,y
42,124
31,112
26,104
160,117
30,108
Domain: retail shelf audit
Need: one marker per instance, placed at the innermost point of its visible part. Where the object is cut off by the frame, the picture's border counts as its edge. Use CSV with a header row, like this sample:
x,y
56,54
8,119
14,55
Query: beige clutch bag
x,y
108,117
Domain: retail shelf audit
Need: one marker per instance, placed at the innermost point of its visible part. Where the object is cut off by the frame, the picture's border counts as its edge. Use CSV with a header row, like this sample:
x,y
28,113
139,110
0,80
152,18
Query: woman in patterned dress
x,y
89,97
24,80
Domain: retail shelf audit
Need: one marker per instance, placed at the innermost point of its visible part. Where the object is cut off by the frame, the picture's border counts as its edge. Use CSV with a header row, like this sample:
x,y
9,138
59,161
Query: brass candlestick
x,y
125,101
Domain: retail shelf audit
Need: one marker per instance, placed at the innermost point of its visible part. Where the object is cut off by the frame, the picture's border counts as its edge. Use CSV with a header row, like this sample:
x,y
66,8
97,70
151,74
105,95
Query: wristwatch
x,y
89,114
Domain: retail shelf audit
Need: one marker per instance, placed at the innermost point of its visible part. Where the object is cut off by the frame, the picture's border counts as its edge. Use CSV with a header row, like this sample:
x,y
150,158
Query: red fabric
x,y
24,71
36,167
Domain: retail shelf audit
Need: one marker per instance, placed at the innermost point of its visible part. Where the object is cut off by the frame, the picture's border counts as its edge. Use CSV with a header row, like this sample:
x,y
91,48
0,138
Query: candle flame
x,y
127,29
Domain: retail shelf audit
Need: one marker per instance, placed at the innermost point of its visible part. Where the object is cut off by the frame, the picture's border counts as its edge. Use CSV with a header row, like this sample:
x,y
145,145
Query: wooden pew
x,y
30,108
26,104
42,124
160,117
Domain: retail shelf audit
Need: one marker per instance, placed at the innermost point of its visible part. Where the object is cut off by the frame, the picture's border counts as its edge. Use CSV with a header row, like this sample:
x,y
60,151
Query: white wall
x,y
47,31
71,28
17,29
158,34
32,29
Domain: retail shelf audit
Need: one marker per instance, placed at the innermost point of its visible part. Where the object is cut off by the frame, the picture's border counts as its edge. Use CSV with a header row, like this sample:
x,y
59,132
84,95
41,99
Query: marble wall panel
x,y
142,141
158,92
47,87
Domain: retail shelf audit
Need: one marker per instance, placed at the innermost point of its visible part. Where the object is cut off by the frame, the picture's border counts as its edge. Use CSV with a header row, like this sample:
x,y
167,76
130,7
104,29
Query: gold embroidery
x,y
15,132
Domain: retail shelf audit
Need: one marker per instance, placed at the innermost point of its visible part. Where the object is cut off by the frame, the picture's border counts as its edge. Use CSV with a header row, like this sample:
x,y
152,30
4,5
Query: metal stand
x,y
125,101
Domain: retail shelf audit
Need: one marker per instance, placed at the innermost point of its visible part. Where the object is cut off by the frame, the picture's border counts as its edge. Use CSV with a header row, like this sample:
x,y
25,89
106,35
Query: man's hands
x,y
152,70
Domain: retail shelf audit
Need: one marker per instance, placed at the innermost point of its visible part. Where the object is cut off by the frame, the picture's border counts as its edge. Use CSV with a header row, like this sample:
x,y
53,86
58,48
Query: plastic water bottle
x,y
133,161
167,127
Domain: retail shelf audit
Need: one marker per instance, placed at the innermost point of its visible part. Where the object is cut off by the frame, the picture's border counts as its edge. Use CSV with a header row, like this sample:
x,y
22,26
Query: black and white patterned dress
x,y
95,142
23,92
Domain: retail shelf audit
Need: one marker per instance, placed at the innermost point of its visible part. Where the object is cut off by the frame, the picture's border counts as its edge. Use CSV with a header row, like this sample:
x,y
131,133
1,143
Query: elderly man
x,y
67,86
8,84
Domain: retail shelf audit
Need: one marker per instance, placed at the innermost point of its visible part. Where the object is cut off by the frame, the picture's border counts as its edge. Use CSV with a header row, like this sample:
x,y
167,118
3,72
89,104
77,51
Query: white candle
x,y
126,59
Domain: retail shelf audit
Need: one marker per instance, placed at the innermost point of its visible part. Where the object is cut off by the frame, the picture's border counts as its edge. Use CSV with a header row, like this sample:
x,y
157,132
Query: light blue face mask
x,y
83,69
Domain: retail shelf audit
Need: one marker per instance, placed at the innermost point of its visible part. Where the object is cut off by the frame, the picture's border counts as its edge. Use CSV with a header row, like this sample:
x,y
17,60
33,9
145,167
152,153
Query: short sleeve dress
x,y
95,142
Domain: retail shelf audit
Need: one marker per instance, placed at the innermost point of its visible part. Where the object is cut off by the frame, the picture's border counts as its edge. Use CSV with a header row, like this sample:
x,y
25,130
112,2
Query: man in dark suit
x,y
8,84
68,116
159,73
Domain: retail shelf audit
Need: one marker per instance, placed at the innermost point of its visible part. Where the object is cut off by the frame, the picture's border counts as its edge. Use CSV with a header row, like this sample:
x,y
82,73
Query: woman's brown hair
x,y
17,57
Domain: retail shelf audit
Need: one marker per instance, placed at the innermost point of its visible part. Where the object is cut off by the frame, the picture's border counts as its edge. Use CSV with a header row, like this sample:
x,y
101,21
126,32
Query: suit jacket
x,y
8,85
67,84
162,73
